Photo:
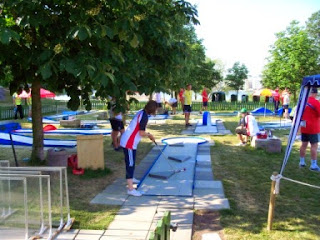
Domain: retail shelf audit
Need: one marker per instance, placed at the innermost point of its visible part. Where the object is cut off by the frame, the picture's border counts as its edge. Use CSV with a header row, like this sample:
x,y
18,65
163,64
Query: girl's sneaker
x,y
134,193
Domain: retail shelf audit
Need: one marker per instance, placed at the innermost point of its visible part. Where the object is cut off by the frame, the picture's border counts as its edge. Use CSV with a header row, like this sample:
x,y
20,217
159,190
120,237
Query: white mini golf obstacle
x,y
39,201
206,126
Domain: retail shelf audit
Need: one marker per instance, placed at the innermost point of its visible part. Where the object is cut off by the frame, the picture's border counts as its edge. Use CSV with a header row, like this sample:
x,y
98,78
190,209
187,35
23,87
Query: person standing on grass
x,y
204,95
181,97
187,104
285,103
158,99
276,100
310,128
130,140
116,121
17,103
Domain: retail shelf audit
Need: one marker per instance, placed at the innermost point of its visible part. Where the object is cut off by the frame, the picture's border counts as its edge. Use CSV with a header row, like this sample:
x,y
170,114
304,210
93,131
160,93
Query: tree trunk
x,y
37,154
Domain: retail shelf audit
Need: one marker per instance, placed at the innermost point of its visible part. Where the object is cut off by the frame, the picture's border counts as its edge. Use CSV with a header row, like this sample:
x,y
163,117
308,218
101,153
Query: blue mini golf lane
x,y
179,184
67,131
19,140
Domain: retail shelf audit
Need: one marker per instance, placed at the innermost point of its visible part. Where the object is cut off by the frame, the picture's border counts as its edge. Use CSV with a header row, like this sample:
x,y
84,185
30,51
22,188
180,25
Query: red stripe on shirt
x,y
132,137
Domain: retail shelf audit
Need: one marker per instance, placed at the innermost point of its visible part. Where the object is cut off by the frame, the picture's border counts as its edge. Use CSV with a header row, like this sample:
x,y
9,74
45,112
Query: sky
x,y
243,30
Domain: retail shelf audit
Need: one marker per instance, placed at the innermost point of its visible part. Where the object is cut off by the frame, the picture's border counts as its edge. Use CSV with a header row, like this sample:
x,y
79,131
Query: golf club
x,y
172,158
165,155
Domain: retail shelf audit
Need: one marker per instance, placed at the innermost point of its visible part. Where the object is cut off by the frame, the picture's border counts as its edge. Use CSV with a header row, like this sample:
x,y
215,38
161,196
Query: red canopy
x,y
43,94
46,93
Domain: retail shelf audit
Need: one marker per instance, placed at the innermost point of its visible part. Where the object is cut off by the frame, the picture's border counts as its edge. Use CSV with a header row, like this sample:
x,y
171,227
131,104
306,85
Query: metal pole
x,y
42,228
49,209
13,150
61,202
26,209
2,199
67,196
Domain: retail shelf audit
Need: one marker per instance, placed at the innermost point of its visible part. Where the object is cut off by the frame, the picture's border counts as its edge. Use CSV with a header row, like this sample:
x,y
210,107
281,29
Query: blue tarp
x,y
262,111
9,126
280,111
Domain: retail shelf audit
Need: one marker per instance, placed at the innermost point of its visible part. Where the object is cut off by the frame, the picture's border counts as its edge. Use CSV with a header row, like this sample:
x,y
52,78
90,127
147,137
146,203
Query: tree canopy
x,y
236,76
114,47
292,57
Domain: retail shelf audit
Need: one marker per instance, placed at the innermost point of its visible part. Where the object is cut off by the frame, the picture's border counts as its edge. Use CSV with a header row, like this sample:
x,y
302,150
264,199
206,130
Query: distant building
x,y
253,83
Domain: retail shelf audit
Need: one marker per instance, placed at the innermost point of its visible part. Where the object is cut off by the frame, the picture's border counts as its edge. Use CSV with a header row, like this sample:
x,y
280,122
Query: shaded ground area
x,y
206,221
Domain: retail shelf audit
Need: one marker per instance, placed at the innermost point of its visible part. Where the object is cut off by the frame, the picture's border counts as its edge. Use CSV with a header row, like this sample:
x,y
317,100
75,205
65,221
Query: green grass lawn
x,y
246,172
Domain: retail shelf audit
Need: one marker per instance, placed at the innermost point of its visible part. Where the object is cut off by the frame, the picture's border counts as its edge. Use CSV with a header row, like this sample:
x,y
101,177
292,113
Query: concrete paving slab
x,y
210,236
121,238
179,216
67,235
87,236
116,233
125,225
201,129
89,231
203,169
124,235
176,202
184,232
142,201
204,175
136,213
212,204
203,164
207,184
204,158
109,199
208,192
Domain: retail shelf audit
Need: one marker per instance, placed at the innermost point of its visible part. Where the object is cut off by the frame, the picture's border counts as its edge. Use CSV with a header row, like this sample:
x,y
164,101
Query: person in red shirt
x,y
310,128
276,100
204,95
181,97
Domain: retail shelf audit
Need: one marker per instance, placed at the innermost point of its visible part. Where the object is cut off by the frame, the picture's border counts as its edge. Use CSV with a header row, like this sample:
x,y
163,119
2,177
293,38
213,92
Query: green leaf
x,y
45,55
109,32
111,76
134,41
83,34
45,70
5,36
102,78
70,66
123,36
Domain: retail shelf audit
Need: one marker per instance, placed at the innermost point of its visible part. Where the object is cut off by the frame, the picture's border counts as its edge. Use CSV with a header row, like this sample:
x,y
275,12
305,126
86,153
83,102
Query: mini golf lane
x,y
179,184
69,131
19,140
207,125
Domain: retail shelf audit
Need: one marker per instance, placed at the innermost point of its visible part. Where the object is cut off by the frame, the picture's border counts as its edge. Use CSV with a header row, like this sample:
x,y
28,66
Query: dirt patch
x,y
206,221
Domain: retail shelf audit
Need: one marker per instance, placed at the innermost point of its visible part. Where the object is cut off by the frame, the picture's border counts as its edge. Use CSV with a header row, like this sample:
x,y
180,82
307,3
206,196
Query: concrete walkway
x,y
138,215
